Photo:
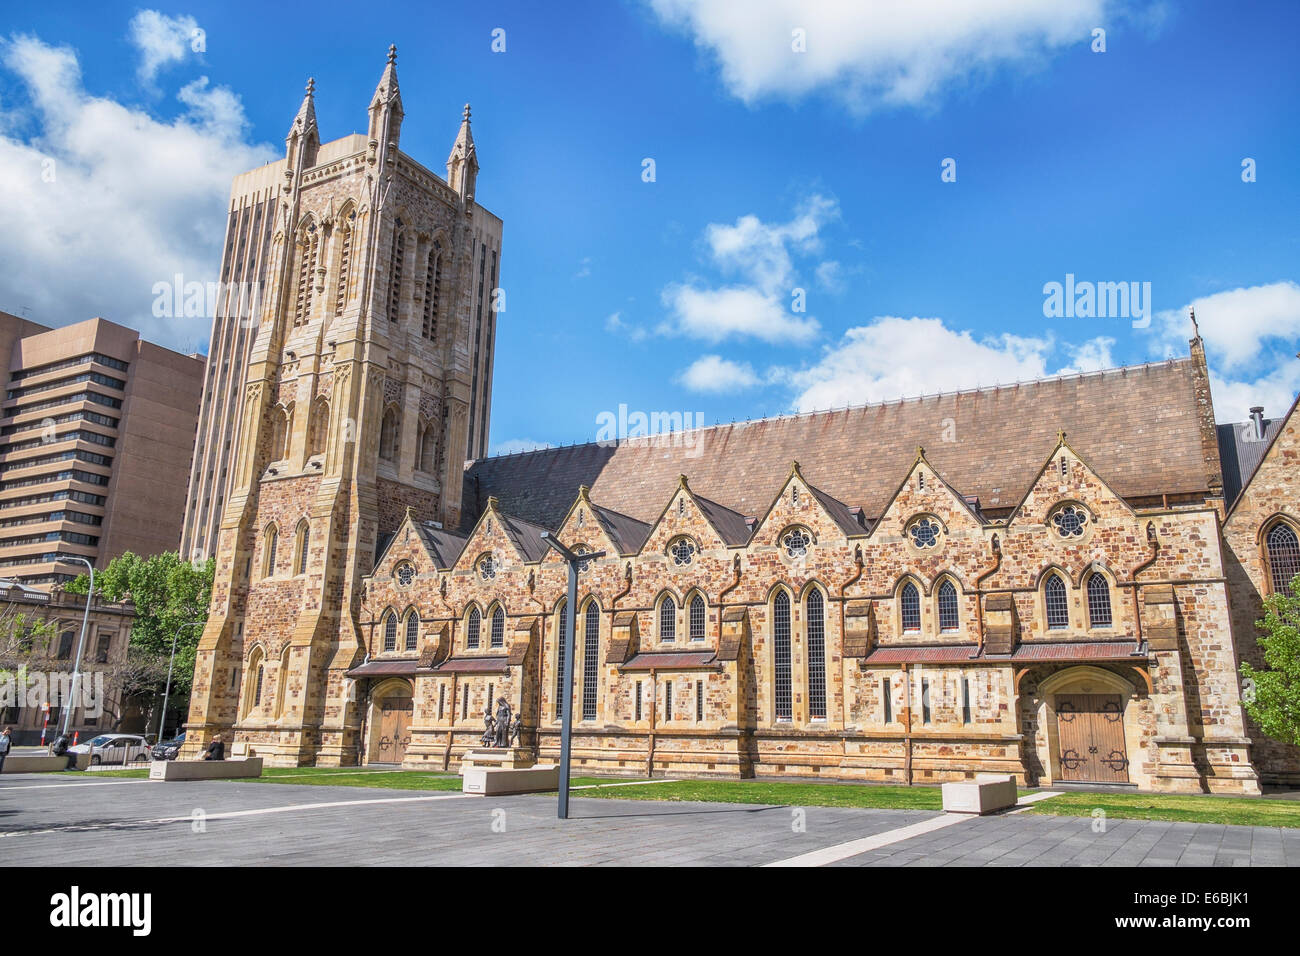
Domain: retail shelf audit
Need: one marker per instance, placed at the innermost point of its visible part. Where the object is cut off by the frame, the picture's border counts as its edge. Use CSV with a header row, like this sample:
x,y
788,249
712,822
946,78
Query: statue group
x,y
500,730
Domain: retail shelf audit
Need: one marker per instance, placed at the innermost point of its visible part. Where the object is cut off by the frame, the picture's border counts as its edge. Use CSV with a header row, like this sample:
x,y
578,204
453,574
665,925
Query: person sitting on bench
x,y
216,750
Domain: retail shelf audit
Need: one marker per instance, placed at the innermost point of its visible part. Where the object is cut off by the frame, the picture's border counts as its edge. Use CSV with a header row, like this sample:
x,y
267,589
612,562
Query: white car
x,y
114,749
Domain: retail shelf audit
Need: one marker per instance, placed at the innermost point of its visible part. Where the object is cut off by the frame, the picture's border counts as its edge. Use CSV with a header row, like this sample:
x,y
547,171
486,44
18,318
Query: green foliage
x,y
1272,696
168,593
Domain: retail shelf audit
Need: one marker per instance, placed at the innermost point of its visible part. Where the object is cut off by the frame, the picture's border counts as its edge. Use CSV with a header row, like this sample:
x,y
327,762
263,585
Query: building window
x,y
1070,521
699,700
561,638
464,704
638,700
910,603
405,574
886,697
390,631
1099,614
388,436
101,652
925,701
947,606
487,567
796,542
965,700
1283,556
428,457
471,629
268,559
498,628
432,292
412,631
697,618
925,533
345,262
1058,608
318,423
442,700
395,280
667,619
816,656
781,655
590,661
682,552
65,645
668,701
304,542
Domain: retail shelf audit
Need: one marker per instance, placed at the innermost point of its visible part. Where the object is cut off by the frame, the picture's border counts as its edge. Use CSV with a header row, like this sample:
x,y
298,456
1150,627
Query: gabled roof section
x,y
1241,453
730,525
526,536
624,531
909,491
1042,484
1139,428
444,546
841,513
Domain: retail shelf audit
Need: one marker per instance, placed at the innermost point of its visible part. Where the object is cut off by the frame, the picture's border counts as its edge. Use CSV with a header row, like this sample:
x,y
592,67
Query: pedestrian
x,y
4,747
216,750
60,749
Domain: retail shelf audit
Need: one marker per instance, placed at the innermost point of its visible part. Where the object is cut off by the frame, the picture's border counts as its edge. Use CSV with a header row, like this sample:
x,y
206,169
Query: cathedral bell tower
x,y
372,357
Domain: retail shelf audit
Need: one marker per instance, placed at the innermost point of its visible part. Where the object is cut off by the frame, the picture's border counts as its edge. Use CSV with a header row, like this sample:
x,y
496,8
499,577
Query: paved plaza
x,y
47,820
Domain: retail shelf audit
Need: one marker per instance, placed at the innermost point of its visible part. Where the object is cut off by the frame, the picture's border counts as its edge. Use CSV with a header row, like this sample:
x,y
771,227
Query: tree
x,y
1272,696
168,593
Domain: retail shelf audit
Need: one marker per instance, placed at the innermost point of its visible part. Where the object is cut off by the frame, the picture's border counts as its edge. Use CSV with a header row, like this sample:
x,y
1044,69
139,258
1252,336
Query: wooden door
x,y
1090,732
394,719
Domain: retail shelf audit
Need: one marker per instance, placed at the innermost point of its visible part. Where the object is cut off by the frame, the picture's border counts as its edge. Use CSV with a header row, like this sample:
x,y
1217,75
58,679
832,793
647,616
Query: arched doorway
x,y
391,707
1090,720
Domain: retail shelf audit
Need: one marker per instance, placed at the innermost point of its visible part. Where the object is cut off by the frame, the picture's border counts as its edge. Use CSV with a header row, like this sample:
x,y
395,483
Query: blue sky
x,y
775,170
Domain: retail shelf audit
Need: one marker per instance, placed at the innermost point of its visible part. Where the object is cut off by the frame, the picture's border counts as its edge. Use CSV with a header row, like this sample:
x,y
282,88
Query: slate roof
x,y
445,545
731,525
1241,453
526,536
627,533
1137,426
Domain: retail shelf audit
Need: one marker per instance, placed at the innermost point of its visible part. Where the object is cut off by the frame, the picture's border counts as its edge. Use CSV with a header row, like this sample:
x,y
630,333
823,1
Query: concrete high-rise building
x,y
354,402
311,245
96,434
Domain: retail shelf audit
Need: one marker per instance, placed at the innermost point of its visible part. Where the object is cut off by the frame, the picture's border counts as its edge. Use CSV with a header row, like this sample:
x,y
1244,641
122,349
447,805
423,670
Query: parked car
x,y
168,749
114,749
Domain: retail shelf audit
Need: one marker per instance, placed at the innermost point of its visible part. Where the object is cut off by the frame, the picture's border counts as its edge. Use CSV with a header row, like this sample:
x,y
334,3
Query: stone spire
x,y
462,163
386,106
303,137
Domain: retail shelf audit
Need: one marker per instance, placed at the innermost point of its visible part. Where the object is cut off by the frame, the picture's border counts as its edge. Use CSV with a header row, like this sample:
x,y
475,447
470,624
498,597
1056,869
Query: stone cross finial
x,y
466,114
1196,329
311,85
392,53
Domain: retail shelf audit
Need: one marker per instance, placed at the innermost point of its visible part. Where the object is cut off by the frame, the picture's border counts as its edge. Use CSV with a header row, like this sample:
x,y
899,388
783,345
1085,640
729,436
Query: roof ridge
x,y
885,403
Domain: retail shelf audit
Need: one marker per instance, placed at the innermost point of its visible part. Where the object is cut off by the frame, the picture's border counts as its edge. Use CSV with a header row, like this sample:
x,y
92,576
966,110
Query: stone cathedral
x,y
1056,579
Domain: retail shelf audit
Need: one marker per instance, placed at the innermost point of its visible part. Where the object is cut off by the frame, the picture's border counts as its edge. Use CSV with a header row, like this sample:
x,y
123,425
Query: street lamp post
x,y
566,706
76,664
167,689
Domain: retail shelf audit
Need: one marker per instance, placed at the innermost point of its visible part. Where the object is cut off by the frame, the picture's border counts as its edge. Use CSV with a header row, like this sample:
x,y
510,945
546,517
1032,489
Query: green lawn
x,y
779,793
1186,808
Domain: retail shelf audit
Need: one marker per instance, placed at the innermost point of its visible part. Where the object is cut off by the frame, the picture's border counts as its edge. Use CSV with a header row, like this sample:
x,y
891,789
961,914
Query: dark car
x,y
169,749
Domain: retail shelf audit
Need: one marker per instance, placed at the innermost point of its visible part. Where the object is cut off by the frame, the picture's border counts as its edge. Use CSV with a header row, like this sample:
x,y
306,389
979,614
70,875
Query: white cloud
x,y
736,311
616,324
1091,356
879,53
101,200
161,40
713,373
1251,334
895,357
762,255
513,446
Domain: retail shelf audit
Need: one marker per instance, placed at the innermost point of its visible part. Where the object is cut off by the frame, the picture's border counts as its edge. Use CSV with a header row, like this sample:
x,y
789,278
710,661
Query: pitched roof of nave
x,y
1241,452
1138,427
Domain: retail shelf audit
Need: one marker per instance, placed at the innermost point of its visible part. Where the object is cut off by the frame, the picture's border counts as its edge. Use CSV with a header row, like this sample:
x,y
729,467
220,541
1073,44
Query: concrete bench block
x,y
169,770
42,763
987,793
497,781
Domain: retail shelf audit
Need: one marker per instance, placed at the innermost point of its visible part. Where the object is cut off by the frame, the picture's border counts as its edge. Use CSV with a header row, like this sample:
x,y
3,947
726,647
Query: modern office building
x,y
96,435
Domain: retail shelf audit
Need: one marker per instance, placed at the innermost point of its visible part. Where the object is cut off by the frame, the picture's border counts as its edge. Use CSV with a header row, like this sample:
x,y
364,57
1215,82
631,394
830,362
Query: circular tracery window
x,y
682,551
925,533
796,542
1070,521
405,574
487,567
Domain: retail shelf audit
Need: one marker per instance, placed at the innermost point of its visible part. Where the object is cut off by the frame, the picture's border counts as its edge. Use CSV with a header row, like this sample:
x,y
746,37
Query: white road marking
x,y
842,851
233,814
